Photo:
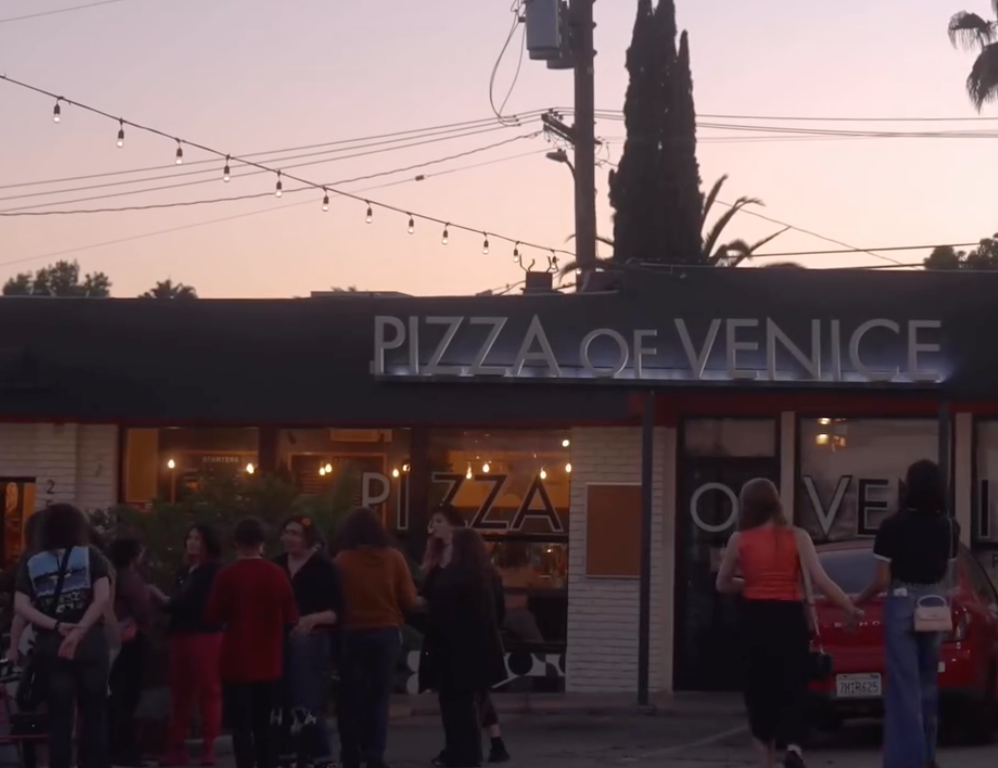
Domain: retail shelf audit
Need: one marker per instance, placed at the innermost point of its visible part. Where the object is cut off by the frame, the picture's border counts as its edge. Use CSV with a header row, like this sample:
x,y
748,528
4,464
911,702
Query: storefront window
x,y
851,471
169,463
984,533
513,487
357,467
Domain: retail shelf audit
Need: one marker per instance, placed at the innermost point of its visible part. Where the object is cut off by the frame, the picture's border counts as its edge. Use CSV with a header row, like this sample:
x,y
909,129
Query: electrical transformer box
x,y
544,29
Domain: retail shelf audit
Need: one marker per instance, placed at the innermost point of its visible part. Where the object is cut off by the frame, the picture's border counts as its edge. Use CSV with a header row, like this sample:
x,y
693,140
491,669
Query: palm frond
x,y
971,31
711,198
572,266
599,239
982,82
713,237
766,240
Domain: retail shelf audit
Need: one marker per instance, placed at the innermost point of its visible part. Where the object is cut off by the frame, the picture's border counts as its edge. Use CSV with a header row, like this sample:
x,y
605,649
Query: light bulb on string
x,y
370,214
516,252
568,468
279,187
325,199
395,472
485,243
486,467
468,474
445,238
412,224
329,469
56,112
543,474
226,173
180,153
121,134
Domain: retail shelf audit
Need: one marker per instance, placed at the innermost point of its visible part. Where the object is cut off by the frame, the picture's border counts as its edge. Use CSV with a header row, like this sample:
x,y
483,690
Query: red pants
x,y
194,674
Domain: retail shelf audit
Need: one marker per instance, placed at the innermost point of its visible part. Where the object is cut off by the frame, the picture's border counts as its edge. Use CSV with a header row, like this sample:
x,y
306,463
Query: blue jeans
x,y
306,680
911,701
367,677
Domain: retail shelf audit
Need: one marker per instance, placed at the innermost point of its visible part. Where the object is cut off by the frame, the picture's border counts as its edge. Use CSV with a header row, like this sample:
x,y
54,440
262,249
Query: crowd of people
x,y
774,567
255,641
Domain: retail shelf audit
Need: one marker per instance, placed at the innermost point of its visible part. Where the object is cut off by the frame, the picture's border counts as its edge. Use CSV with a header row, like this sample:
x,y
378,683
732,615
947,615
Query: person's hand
x,y
305,625
67,650
66,629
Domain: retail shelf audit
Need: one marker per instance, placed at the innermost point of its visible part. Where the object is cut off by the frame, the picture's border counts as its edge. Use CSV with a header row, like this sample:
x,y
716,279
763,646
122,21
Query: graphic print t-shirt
x,y
40,574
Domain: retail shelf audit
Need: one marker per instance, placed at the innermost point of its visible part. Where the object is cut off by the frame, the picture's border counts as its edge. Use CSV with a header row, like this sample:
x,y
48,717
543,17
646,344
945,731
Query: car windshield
x,y
851,569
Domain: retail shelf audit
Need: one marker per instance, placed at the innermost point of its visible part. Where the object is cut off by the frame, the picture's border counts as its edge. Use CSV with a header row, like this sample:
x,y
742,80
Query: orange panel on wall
x,y
613,531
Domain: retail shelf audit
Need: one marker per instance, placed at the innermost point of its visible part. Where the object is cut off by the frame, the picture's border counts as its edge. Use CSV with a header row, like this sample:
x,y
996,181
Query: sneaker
x,y
499,754
793,759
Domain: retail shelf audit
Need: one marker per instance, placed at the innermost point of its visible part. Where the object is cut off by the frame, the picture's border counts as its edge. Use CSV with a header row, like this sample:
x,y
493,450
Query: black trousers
x,y
462,727
80,682
367,675
777,642
126,691
253,711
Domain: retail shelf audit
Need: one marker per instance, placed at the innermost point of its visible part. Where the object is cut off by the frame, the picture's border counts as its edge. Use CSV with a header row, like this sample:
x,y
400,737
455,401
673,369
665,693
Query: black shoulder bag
x,y
31,688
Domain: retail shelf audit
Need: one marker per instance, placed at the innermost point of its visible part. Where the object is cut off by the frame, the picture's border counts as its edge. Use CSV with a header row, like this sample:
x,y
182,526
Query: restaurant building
x,y
583,435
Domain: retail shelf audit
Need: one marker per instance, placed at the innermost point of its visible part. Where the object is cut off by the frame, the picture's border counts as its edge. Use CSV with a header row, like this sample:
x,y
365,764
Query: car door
x,y
984,606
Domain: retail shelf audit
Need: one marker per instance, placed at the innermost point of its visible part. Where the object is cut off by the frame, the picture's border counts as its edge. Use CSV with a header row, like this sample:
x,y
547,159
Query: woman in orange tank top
x,y
770,553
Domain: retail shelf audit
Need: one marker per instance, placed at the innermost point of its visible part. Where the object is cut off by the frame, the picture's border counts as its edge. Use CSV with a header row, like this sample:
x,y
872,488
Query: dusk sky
x,y
245,76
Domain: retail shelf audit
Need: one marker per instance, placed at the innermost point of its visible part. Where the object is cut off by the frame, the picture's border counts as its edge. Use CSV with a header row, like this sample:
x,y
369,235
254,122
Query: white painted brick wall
x,y
70,462
602,654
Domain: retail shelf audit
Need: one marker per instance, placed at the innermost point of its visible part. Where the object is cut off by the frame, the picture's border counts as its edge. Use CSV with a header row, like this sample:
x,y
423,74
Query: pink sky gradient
x,y
243,76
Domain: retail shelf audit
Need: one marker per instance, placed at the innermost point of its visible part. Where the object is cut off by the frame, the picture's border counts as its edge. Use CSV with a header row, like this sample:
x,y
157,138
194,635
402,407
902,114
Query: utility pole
x,y
561,33
581,40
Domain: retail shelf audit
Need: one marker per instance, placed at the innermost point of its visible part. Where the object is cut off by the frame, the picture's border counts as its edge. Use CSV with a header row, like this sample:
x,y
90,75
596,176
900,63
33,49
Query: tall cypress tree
x,y
636,211
679,172
656,191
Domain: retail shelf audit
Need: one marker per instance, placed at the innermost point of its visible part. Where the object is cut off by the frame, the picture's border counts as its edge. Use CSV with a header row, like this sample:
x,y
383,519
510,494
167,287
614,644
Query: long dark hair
x,y
924,489
63,527
210,541
434,547
362,528
758,504
468,553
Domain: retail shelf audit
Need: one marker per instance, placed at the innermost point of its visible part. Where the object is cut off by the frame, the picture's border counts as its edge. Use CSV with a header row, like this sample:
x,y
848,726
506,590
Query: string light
x,y
171,464
325,199
226,175
446,236
279,187
468,474
329,469
485,467
395,472
322,471
516,252
543,474
568,468
250,469
485,243
565,443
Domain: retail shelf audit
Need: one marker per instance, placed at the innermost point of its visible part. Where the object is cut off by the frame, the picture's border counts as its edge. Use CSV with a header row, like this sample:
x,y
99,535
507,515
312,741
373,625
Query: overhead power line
x,y
348,145
794,254
18,212
55,11
836,119
233,175
280,176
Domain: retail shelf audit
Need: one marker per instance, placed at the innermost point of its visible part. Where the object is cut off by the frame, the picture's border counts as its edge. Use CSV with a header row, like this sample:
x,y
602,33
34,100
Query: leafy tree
x,y
167,289
982,258
59,279
976,33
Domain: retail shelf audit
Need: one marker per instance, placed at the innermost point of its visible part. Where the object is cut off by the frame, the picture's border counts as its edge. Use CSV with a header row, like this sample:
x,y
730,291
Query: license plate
x,y
865,686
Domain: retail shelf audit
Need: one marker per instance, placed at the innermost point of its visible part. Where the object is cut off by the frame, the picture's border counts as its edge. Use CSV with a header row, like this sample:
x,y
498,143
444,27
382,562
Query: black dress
x,y
462,655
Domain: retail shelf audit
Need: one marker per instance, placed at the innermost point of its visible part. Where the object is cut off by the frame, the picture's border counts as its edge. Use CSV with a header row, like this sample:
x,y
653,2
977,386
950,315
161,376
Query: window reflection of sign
x,y
536,502
376,488
18,504
872,503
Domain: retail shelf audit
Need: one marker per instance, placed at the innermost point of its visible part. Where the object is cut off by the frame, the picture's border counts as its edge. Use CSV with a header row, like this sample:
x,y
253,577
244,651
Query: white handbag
x,y
933,612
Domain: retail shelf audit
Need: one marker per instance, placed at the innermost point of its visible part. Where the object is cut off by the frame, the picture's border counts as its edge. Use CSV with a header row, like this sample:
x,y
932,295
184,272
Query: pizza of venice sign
x,y
726,349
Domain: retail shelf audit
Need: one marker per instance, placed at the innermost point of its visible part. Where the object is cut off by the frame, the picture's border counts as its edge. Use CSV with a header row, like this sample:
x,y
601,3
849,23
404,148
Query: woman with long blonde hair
x,y
774,557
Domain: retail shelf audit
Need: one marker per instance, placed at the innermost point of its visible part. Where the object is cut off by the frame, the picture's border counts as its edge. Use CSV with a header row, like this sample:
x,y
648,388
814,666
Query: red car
x,y
968,667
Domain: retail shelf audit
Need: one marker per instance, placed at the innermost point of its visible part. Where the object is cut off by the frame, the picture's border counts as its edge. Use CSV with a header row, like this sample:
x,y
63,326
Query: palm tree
x,y
976,33
167,289
730,254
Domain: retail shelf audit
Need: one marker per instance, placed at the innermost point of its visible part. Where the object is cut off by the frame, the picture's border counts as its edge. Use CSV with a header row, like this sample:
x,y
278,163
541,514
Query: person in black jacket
x,y
463,646
318,591
195,648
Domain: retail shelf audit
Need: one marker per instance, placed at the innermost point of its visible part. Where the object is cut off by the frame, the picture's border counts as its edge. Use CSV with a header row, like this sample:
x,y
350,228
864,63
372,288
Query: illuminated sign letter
x,y
479,368
622,354
697,360
434,368
640,351
535,334
810,364
857,339
734,347
914,348
382,343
